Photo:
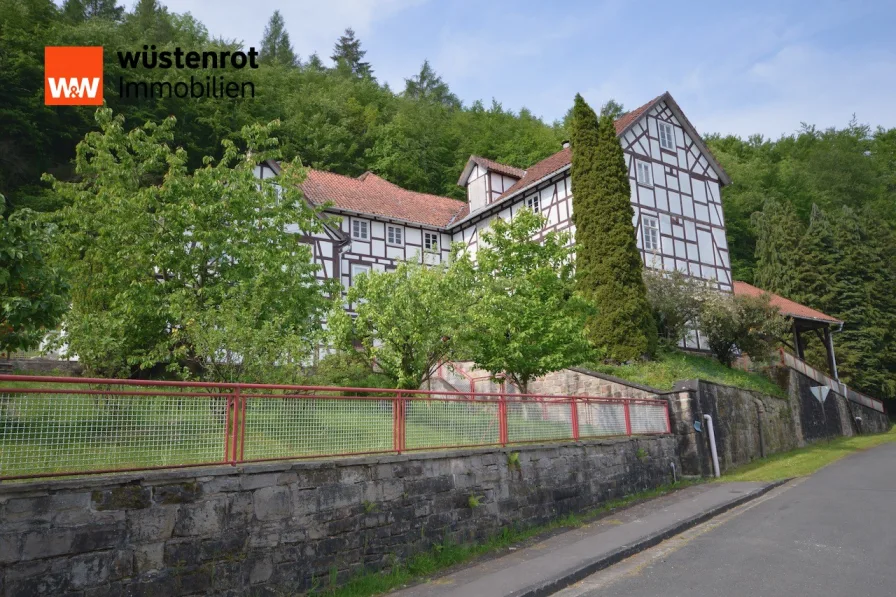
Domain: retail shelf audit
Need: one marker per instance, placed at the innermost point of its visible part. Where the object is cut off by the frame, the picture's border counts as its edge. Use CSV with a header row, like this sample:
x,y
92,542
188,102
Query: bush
x,y
740,324
350,370
675,300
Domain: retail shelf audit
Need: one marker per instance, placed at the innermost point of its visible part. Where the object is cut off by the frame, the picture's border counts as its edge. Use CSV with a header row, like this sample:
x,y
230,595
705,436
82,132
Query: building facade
x,y
675,194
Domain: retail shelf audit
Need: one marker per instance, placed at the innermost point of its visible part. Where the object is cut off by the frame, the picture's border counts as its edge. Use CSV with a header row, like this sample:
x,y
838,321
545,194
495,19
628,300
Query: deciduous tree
x,y
407,319
191,269
32,292
525,318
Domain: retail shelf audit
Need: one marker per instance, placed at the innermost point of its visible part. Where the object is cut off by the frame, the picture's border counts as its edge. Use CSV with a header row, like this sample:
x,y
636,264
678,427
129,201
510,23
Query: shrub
x,y
348,369
740,324
675,300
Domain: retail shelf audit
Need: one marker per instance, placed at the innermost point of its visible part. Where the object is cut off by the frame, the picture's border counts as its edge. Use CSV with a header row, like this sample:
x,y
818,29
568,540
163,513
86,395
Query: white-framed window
x,y
667,135
651,233
360,230
358,269
533,203
645,173
431,242
394,235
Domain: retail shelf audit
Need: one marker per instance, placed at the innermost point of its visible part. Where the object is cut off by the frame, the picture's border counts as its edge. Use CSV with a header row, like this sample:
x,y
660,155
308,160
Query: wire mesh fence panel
x,y
284,427
53,432
598,419
445,423
648,418
538,419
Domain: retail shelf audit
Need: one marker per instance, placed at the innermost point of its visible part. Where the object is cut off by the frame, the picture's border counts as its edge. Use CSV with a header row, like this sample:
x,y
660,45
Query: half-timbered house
x,y
675,193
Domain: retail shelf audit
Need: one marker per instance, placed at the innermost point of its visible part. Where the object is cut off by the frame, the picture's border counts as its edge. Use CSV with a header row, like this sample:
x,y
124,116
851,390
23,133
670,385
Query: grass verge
x,y
448,554
805,461
671,366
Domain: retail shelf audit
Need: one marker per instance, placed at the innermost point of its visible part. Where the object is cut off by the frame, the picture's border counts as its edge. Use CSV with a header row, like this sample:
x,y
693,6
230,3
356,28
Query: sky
x,y
734,67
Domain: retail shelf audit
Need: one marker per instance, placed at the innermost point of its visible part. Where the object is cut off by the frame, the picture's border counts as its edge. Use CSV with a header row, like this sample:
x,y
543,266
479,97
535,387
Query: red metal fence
x,y
55,426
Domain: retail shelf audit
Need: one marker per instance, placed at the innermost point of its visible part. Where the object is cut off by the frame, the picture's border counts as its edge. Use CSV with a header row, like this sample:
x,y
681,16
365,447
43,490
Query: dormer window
x,y
645,173
360,230
667,135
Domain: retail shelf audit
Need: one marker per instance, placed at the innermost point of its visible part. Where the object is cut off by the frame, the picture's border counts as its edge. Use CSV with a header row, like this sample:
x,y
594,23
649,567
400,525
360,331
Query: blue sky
x,y
734,67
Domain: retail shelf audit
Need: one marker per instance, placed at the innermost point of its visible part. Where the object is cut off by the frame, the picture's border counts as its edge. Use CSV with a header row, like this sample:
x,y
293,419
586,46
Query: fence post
x,y
628,417
502,419
228,425
236,425
574,412
243,428
399,423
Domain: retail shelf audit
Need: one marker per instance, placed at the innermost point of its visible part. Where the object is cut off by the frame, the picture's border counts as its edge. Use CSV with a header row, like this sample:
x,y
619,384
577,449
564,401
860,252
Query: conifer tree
x,y
778,232
608,264
275,45
814,271
348,51
862,283
428,85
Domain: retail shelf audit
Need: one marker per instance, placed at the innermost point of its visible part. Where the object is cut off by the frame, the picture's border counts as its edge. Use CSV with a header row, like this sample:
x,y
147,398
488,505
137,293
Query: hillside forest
x,y
810,215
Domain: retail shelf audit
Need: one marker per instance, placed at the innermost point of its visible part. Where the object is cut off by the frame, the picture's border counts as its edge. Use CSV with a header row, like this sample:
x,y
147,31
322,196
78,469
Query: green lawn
x,y
672,366
805,461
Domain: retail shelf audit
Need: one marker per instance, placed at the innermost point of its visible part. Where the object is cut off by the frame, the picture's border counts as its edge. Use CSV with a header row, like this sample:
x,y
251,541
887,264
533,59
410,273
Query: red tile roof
x,y
370,194
563,157
786,306
497,167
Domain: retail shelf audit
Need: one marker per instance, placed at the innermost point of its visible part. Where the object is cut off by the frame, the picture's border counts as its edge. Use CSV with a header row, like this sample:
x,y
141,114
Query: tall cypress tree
x,y
778,232
275,45
608,264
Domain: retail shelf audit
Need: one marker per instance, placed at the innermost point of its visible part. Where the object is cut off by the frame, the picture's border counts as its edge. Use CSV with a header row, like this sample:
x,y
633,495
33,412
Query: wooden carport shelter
x,y
803,319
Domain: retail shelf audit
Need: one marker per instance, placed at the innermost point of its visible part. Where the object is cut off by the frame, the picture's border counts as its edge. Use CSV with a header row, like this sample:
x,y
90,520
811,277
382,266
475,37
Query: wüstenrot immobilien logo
x,y
73,76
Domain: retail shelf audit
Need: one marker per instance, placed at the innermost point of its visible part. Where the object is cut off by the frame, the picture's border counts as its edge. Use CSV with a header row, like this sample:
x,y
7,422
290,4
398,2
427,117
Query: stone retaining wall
x,y
285,528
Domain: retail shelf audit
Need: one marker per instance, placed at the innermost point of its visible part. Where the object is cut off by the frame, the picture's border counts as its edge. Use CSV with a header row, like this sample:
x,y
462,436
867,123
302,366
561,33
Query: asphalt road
x,y
833,533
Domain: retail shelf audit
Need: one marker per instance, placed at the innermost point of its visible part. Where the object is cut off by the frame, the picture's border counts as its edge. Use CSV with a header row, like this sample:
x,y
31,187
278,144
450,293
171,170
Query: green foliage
x,y
190,269
348,369
741,324
407,320
32,292
513,460
276,48
474,502
607,259
675,299
428,86
641,454
348,54
524,318
778,233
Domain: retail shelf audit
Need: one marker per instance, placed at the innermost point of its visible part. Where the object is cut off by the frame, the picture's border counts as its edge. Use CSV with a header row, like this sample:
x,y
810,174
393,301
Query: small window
x,y
360,230
667,135
357,270
533,203
395,235
651,233
430,242
645,173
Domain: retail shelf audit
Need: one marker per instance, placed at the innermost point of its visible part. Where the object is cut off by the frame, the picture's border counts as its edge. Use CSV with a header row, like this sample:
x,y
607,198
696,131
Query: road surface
x,y
833,533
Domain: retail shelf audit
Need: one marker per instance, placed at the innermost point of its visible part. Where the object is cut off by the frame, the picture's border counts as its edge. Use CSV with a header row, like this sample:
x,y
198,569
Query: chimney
x,y
565,144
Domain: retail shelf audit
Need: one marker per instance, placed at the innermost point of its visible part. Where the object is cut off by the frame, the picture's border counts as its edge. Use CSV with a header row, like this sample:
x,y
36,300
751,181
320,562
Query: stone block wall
x,y
283,528
578,382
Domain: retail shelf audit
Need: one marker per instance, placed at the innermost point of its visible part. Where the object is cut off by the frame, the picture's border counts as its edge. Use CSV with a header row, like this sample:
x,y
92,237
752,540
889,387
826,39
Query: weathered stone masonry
x,y
283,528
